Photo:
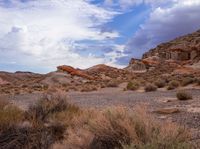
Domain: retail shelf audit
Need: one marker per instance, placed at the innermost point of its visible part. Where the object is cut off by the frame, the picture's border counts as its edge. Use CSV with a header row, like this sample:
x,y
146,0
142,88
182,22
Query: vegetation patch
x,y
186,81
173,84
160,83
150,88
132,85
182,95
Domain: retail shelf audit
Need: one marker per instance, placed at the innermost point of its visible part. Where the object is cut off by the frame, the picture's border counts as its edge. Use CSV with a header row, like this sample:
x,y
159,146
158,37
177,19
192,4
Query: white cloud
x,y
43,33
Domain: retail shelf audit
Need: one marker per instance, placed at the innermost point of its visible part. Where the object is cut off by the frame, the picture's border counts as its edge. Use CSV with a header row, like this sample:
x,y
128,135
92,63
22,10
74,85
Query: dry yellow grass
x,y
9,115
111,128
119,127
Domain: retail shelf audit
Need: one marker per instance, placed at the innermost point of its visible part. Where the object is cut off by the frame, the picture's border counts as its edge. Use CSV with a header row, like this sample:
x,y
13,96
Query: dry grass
x,y
40,130
119,127
9,115
53,120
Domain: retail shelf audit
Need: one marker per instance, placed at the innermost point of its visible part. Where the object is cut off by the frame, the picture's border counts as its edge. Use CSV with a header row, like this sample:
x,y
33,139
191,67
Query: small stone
x,y
167,111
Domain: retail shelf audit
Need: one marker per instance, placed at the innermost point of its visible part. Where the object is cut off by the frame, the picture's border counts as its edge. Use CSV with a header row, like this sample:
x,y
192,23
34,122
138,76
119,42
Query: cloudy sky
x,y
38,35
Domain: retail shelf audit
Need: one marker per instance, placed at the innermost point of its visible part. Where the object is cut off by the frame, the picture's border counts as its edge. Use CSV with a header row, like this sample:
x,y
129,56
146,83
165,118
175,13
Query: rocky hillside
x,y
180,49
180,53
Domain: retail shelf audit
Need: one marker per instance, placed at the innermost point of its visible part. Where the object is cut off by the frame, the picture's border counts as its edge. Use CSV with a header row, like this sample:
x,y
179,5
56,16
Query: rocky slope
x,y
182,53
185,48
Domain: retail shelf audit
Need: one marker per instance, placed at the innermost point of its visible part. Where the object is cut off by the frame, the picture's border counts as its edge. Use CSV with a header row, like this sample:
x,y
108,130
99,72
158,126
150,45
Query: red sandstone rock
x,y
73,71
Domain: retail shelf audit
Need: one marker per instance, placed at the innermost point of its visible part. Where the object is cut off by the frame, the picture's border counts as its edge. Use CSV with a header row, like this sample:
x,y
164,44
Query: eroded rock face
x,y
181,49
136,65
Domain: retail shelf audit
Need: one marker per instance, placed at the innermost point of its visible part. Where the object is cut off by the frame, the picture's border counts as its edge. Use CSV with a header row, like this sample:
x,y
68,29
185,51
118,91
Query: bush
x,y
187,81
198,81
160,83
9,115
112,84
150,88
31,138
45,108
117,128
181,95
132,86
89,89
172,85
40,129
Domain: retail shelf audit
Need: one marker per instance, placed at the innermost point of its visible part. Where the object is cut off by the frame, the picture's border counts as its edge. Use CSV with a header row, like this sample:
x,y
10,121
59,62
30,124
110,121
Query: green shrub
x,y
173,84
181,95
187,81
160,83
132,86
150,88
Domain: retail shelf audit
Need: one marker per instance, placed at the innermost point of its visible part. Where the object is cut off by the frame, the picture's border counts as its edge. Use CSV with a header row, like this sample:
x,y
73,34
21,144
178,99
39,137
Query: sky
x,y
39,35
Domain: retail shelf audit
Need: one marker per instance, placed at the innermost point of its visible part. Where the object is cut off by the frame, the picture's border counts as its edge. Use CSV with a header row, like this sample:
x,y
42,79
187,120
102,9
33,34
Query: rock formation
x,y
73,71
185,48
136,65
181,51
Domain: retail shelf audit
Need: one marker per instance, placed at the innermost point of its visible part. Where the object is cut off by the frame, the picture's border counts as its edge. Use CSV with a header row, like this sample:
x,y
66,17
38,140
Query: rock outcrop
x,y
181,51
185,48
73,71
136,65
103,71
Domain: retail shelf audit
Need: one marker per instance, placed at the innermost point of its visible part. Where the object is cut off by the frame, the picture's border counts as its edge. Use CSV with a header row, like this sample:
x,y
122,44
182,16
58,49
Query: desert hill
x,y
173,60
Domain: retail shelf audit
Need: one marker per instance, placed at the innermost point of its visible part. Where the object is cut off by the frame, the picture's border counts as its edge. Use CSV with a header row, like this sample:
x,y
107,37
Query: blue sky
x,y
39,35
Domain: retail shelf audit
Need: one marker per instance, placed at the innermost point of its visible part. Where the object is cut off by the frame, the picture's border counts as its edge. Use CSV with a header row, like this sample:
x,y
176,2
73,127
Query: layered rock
x,y
136,65
182,51
185,48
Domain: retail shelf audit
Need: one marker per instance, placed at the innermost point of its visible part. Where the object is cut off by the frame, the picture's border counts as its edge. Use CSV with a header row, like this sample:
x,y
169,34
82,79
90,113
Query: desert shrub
x,y
36,128
132,85
45,108
89,89
31,138
117,128
186,81
150,88
172,85
9,115
160,83
182,95
198,81
112,84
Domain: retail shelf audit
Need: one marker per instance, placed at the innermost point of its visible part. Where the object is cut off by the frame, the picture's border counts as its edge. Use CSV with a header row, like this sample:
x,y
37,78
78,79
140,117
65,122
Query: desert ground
x,y
163,104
